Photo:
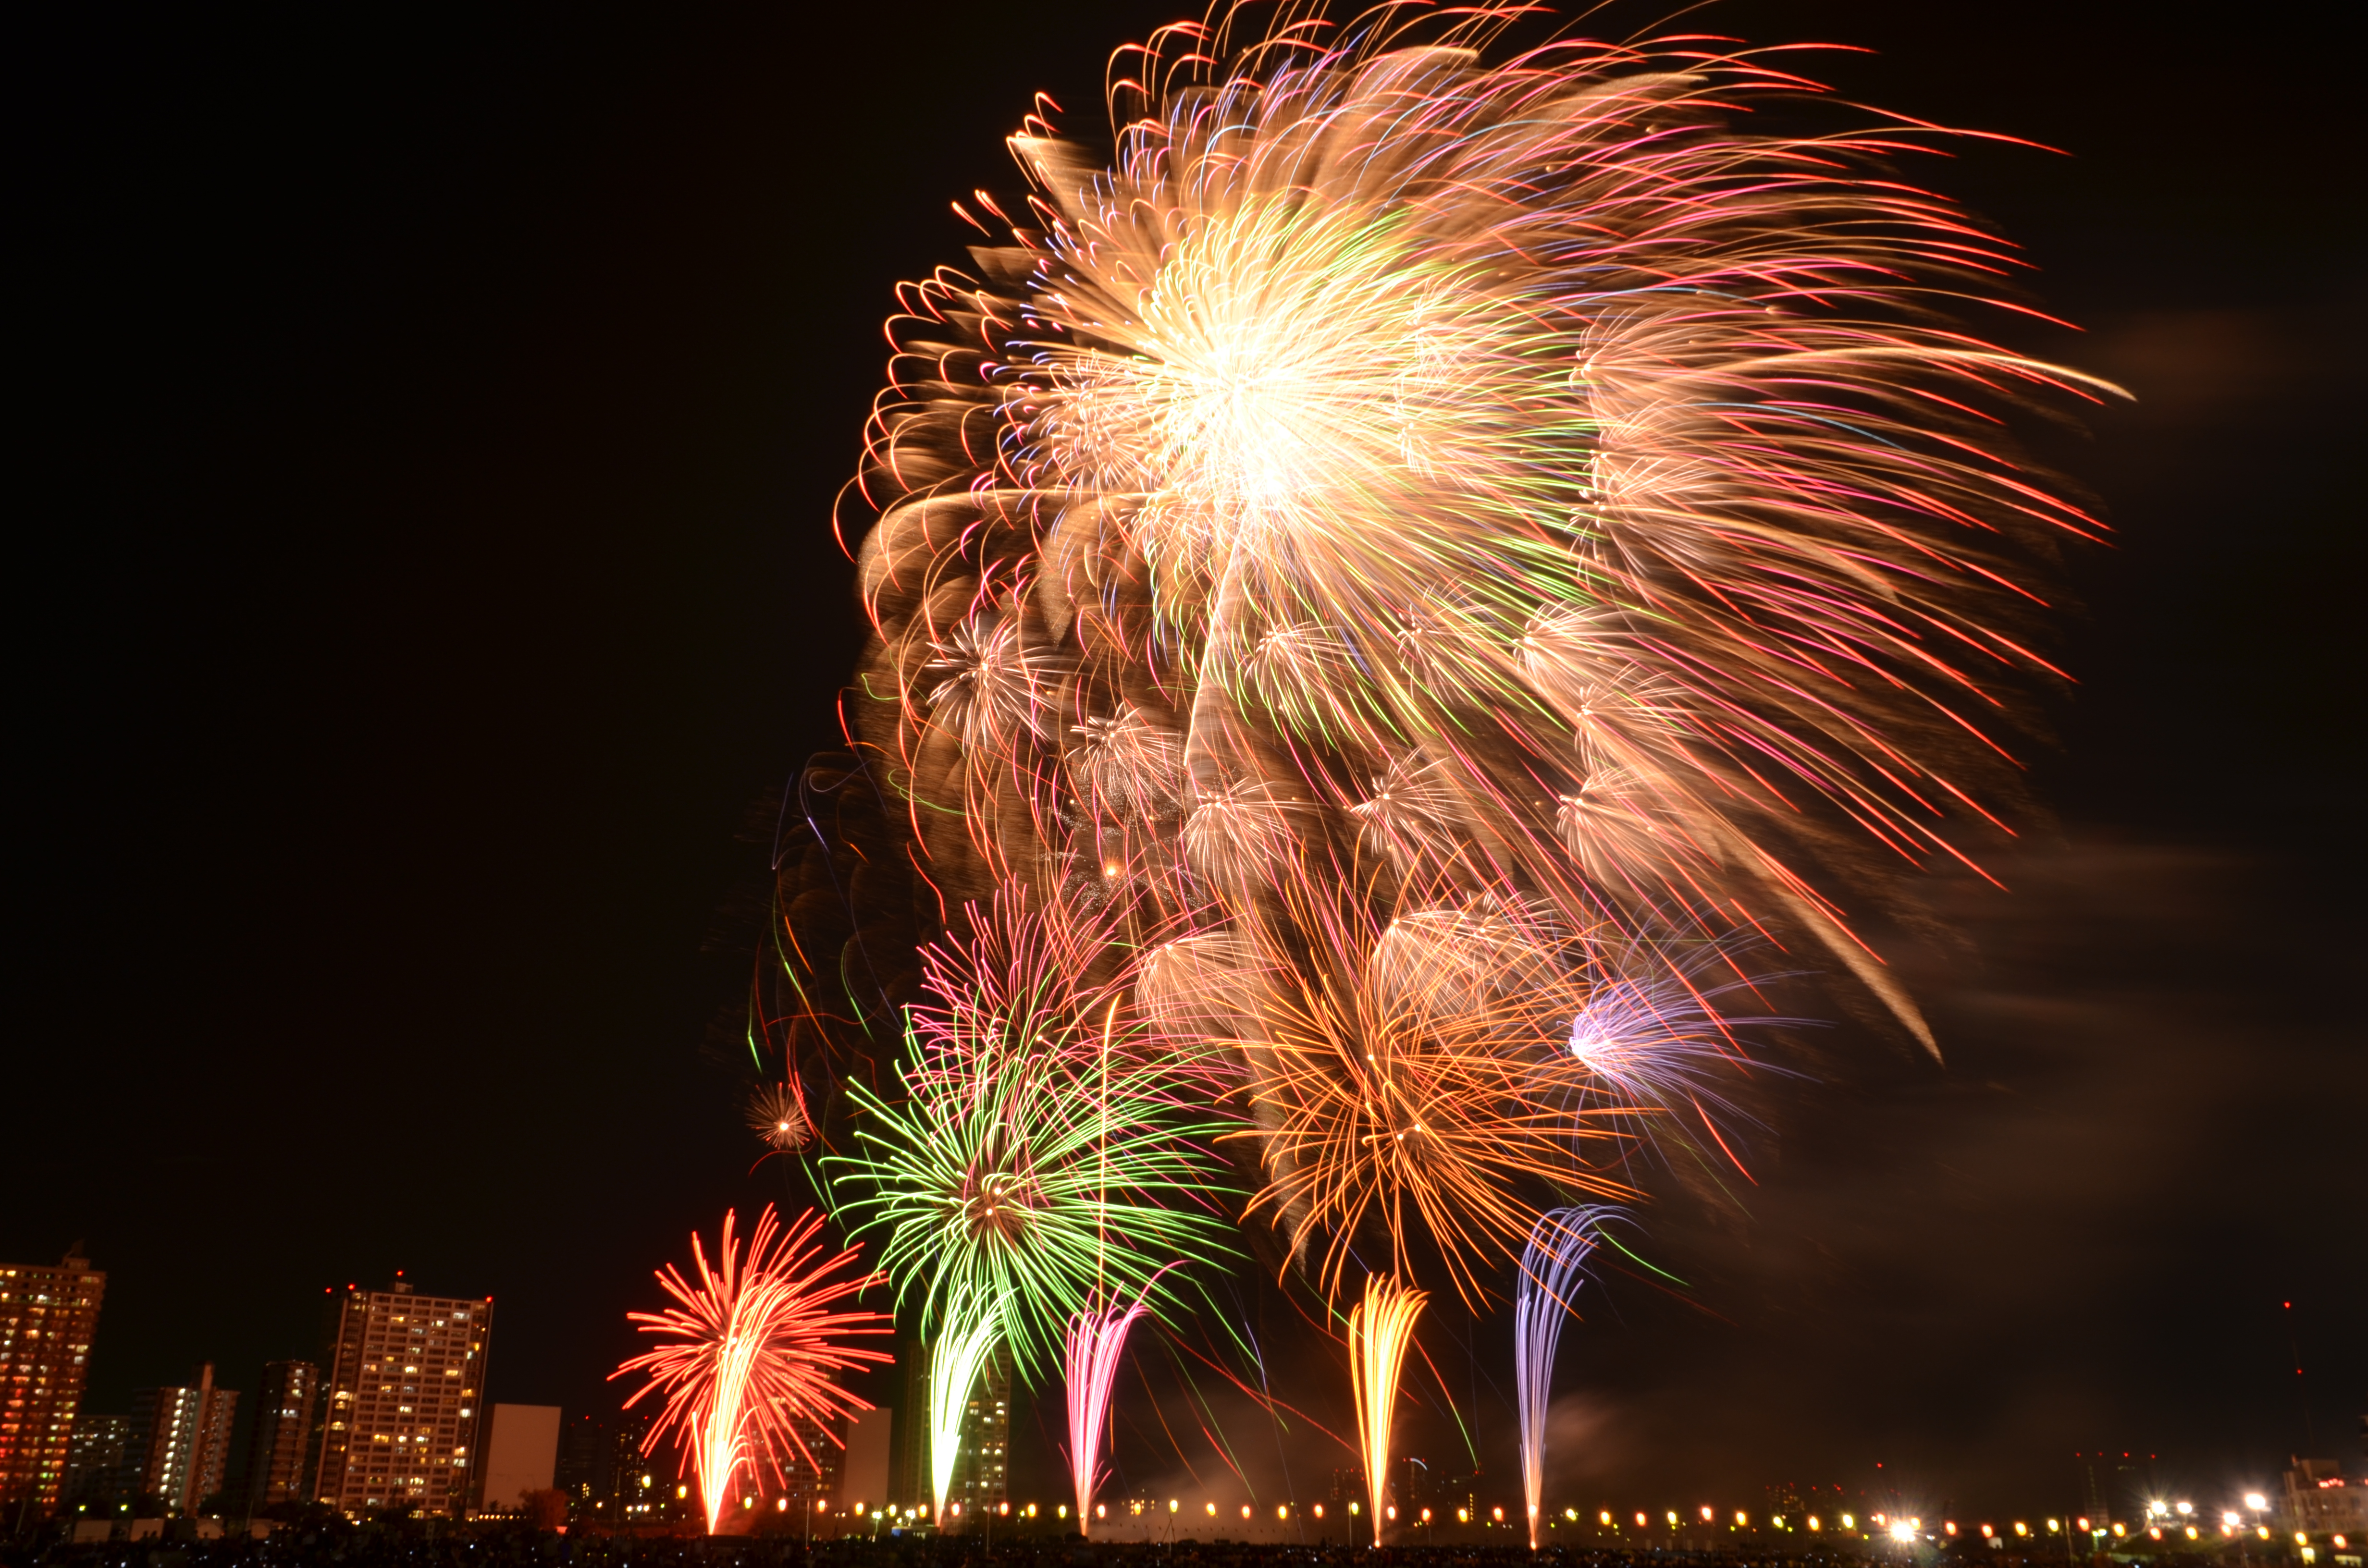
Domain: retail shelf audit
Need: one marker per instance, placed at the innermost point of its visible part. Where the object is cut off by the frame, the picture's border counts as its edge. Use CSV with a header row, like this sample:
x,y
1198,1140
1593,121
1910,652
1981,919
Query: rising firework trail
x,y
1095,1336
966,1337
1549,1276
751,1351
1380,1327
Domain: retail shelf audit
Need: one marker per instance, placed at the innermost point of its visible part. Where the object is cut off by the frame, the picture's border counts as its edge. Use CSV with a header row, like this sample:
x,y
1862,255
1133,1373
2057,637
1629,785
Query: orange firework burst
x,y
754,1350
1370,1103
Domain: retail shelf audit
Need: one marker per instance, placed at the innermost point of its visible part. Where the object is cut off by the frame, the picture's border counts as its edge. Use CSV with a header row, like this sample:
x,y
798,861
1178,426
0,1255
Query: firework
x,y
1362,555
1663,1025
1377,1109
1040,1159
966,1336
1380,1327
776,1113
1549,1276
753,1350
1095,1338
1012,1180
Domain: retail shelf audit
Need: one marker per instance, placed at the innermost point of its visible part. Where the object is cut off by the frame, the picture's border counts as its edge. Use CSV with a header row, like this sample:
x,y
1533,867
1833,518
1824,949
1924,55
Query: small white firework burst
x,y
777,1115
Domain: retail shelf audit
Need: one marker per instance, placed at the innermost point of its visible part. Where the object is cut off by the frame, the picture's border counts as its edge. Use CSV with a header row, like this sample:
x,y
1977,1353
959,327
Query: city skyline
x,y
176,1448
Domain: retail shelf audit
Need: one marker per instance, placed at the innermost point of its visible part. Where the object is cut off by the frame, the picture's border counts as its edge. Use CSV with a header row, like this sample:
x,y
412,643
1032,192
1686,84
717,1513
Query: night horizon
x,y
445,431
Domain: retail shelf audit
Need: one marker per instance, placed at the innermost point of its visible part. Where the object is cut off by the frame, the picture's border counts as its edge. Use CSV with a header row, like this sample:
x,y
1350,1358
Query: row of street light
x,y
2164,1520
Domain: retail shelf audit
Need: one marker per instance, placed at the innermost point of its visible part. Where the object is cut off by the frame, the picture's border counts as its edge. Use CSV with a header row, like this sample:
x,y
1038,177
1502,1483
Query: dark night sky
x,y
428,428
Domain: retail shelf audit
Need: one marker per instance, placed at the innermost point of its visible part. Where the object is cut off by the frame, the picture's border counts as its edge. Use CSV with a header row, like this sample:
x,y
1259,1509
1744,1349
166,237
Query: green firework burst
x,y
1044,1181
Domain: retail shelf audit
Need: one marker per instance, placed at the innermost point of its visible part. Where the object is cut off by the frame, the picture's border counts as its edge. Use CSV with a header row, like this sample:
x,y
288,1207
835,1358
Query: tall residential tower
x,y
281,1442
404,1390
48,1312
180,1442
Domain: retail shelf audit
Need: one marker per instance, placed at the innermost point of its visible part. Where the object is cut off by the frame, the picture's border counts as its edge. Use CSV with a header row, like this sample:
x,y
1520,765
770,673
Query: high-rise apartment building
x,y
405,1401
161,1453
47,1313
982,1470
586,1466
96,1462
180,1442
644,1481
912,1441
279,1443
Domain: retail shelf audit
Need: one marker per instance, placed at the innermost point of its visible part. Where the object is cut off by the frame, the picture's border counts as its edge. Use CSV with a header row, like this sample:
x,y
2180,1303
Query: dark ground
x,y
372,1547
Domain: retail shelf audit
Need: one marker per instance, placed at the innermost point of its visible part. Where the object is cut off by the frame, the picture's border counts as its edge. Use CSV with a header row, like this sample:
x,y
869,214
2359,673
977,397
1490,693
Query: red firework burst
x,y
753,1347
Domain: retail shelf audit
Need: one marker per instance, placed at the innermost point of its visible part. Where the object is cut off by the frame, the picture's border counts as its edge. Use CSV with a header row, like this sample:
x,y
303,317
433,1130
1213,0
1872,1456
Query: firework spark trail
x,y
1549,1276
755,1351
1379,1329
1364,552
966,1337
1095,1336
